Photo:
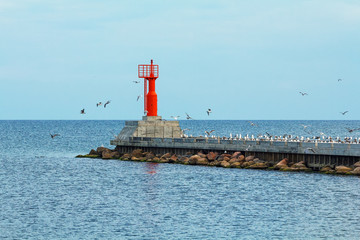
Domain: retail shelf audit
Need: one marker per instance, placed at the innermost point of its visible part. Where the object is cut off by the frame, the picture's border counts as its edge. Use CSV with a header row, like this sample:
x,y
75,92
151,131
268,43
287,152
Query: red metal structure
x,y
150,73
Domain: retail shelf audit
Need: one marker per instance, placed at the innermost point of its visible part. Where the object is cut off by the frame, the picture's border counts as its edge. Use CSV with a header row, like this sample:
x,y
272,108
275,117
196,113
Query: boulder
x,y
249,158
211,156
115,155
202,161
93,152
241,158
137,153
202,155
173,158
126,156
282,164
164,160
223,157
149,156
100,150
235,165
259,165
193,159
342,169
245,164
233,160
156,159
356,171
214,163
184,160
357,164
135,158
327,169
166,155
257,160
236,155
224,164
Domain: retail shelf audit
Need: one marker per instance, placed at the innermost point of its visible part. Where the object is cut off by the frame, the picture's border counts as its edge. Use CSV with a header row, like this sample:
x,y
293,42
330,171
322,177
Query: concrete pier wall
x,y
316,155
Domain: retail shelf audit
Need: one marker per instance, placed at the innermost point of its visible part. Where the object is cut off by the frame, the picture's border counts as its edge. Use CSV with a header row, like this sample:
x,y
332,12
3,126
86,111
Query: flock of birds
x,y
82,111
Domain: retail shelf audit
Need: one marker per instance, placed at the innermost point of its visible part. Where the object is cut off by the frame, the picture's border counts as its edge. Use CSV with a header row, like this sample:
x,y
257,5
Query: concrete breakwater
x,y
218,159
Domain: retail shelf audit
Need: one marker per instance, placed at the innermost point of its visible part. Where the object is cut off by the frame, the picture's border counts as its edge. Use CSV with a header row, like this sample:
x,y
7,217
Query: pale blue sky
x,y
244,59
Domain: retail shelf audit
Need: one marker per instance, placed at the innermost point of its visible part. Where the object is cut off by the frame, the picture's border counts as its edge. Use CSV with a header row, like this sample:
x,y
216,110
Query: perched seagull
x,y
136,81
352,130
175,118
208,111
106,103
188,116
82,111
208,133
303,93
138,97
252,124
54,135
99,104
343,113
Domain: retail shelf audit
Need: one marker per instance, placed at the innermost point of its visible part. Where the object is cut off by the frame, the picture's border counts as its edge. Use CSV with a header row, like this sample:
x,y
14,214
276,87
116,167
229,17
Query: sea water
x,y
47,193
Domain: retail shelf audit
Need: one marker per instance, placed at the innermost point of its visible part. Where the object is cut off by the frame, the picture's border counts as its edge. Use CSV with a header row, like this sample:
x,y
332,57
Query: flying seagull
x,y
82,111
136,81
54,135
106,103
188,116
248,147
352,130
343,113
208,133
339,80
309,150
208,111
303,93
99,104
138,97
175,118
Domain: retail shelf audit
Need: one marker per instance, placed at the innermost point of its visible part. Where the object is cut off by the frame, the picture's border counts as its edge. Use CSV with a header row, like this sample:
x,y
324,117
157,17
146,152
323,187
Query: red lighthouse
x,y
150,73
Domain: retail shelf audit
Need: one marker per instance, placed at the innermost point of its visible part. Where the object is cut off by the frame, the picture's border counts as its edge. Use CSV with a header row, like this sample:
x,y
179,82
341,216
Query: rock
x,y
106,154
356,171
236,155
249,158
201,155
135,158
282,164
164,160
241,158
235,165
166,155
184,160
211,156
214,163
257,160
126,156
357,164
93,152
149,156
115,155
259,165
342,169
233,160
173,158
156,159
202,161
137,153
100,150
327,170
224,164
245,164
223,156
193,159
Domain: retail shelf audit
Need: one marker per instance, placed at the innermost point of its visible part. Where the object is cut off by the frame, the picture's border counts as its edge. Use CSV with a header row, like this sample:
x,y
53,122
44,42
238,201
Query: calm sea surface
x,y
48,194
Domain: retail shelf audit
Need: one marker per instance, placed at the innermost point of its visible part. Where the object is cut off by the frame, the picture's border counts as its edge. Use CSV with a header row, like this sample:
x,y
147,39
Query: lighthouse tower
x,y
151,124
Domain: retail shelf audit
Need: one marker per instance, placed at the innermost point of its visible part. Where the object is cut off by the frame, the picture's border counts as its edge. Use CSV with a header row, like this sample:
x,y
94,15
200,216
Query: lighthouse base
x,y
150,126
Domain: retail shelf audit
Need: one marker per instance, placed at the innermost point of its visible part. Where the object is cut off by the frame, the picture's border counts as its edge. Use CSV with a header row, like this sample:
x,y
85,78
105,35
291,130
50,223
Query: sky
x,y
246,60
